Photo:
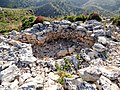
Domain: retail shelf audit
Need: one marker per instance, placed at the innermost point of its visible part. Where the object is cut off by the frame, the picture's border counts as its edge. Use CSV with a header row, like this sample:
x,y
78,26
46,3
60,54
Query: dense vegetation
x,y
21,3
58,8
65,7
11,19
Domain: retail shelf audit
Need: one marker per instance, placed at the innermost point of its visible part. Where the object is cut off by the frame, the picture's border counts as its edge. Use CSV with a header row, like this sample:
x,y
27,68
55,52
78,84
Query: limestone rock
x,y
102,40
71,83
62,53
24,77
94,73
9,74
20,70
99,47
46,23
54,87
99,32
65,22
110,72
71,50
75,61
14,85
90,73
116,36
105,84
86,86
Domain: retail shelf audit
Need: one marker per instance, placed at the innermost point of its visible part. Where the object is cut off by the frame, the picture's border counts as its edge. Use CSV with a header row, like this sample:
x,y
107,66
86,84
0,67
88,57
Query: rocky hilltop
x,y
61,55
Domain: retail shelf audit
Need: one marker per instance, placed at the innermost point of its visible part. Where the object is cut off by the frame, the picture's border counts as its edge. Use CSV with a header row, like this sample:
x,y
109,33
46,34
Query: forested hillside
x,y
65,7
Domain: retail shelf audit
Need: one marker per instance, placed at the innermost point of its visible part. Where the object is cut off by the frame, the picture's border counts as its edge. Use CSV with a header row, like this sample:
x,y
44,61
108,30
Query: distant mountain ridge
x,y
65,7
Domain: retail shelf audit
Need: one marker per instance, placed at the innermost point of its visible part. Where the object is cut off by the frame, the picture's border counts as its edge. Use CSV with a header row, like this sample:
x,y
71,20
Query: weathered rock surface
x,y
93,73
90,73
31,59
105,84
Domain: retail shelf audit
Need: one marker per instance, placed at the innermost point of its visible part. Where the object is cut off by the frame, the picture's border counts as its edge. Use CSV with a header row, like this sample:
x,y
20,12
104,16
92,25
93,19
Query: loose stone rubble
x,y
32,58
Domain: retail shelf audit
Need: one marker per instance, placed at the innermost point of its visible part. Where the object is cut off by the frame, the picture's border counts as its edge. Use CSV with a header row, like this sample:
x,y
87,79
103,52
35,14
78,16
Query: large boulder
x,y
99,47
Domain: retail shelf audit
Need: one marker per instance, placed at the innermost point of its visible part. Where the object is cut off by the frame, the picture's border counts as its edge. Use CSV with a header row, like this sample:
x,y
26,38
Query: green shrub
x,y
62,75
94,16
70,18
81,18
76,18
67,65
58,67
78,57
27,22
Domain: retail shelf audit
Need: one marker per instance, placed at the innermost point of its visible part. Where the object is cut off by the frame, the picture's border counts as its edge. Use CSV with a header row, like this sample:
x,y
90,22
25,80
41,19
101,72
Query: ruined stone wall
x,y
51,36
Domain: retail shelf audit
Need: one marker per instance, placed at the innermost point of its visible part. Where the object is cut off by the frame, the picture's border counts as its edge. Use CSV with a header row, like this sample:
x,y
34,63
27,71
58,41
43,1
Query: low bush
x,y
27,22
76,18
66,67
62,75
116,20
70,18
81,18
39,19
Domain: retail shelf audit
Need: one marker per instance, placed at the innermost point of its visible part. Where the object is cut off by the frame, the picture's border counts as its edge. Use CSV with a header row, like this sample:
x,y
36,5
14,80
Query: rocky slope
x,y
61,55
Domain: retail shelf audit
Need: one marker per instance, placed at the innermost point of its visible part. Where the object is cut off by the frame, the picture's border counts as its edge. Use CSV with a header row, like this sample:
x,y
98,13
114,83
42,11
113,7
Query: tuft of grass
x,y
58,67
78,57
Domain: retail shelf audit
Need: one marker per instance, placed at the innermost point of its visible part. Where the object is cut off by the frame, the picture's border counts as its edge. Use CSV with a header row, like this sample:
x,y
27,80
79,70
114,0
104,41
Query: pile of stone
x,y
31,59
